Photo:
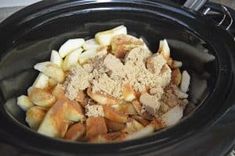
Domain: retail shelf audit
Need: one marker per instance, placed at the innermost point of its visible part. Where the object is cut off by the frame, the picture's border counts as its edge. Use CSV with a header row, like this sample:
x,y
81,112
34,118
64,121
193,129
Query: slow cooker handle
x,y
195,4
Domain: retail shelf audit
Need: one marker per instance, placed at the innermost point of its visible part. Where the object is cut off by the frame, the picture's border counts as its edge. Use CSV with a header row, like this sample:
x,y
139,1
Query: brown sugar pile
x,y
108,74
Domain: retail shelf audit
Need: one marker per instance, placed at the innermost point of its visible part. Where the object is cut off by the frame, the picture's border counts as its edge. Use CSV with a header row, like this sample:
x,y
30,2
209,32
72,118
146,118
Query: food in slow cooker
x,y
110,88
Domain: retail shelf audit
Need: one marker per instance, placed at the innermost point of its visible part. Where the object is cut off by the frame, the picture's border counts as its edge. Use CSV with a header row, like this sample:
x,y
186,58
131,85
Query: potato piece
x,y
51,70
155,63
81,98
164,49
133,126
71,59
176,77
173,116
70,45
42,97
74,112
141,133
176,64
165,76
104,38
138,107
95,126
55,58
52,83
110,137
86,55
114,126
113,115
75,132
157,124
128,92
34,116
58,91
185,81
121,44
125,108
102,99
141,120
24,102
90,44
59,117
41,81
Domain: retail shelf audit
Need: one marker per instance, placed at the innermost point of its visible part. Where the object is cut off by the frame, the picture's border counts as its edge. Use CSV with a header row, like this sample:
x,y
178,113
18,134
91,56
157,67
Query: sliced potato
x,y
185,81
70,45
125,108
133,126
138,107
42,97
141,120
74,112
51,70
113,115
86,55
109,137
59,117
41,81
114,126
141,133
34,116
81,98
102,99
52,83
157,123
164,49
58,91
128,92
75,132
90,44
122,44
71,59
55,58
177,64
104,38
173,116
176,76
95,126
24,102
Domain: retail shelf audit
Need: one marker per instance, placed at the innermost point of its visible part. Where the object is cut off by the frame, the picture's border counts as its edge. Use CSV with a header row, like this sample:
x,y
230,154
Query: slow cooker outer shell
x,y
32,17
